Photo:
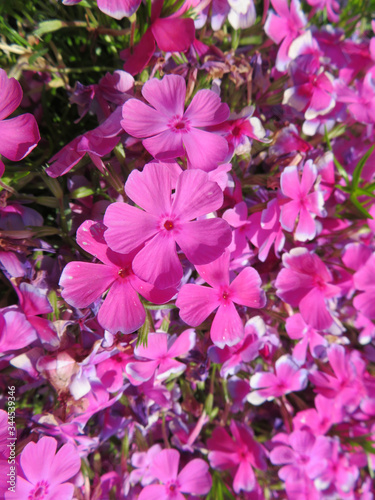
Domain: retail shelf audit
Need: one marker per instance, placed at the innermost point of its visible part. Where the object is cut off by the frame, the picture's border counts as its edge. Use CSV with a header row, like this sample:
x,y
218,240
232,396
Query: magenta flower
x,y
193,479
170,132
165,221
45,472
305,282
364,280
240,454
288,377
171,34
19,135
85,282
284,27
197,302
142,462
160,352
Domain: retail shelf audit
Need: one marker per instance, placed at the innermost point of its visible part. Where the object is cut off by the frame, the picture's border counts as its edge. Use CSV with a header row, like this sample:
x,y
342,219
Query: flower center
x,y
168,224
124,272
179,124
39,492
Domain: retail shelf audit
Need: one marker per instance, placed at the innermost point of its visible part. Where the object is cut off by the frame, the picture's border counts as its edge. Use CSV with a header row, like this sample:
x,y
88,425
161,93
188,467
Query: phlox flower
x,y
15,331
361,100
193,479
332,6
19,135
234,358
170,132
265,230
288,377
237,217
240,453
345,383
305,282
141,461
197,302
364,280
284,27
319,419
160,352
118,9
85,282
171,34
309,337
152,233
45,472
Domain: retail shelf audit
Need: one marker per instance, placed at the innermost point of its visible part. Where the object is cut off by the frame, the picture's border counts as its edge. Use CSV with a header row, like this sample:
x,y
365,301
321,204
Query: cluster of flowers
x,y
225,264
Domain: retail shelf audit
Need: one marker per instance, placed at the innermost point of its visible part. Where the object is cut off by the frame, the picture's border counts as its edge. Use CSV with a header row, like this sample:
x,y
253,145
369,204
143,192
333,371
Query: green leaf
x,y
359,167
360,207
82,192
49,27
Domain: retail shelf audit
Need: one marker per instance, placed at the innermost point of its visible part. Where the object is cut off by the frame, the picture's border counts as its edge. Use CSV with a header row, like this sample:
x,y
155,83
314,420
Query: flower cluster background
x,y
187,249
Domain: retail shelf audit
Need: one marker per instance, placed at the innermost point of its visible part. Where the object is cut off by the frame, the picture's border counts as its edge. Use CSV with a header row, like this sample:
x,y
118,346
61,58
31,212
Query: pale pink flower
x,y
19,135
240,455
288,377
45,472
159,354
118,9
197,302
152,233
284,27
142,461
193,479
85,282
305,282
170,132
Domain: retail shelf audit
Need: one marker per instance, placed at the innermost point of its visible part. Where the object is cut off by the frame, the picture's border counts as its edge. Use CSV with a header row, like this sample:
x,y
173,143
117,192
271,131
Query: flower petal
x,y
227,327
196,303
173,34
203,241
216,274
165,467
206,109
245,289
195,478
65,464
204,150
167,95
19,136
141,120
10,95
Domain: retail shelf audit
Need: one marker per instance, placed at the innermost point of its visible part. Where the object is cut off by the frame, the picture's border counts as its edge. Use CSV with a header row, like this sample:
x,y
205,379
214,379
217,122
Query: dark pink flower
x,y
193,479
170,131
19,135
197,302
85,282
305,282
171,34
288,377
166,220
46,472
15,331
240,454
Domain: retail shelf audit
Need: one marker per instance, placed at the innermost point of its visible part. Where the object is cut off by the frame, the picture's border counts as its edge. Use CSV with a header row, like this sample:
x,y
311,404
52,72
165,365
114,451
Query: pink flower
x,y
160,352
118,9
97,142
19,135
170,131
45,472
313,90
288,377
171,34
364,280
332,6
319,419
265,230
142,462
165,221
298,329
237,217
284,27
197,302
85,282
305,283
15,331
241,453
193,479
